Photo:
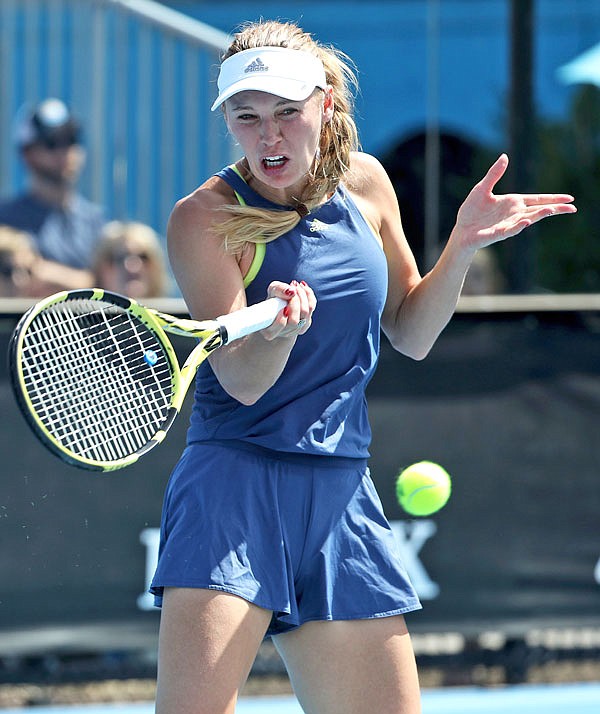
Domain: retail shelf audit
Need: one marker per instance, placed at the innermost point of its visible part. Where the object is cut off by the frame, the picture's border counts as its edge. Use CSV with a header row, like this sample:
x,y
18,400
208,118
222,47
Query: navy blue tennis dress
x,y
273,502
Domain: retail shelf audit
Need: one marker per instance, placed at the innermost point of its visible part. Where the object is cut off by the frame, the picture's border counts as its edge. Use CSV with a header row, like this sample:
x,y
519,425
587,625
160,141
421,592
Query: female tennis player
x,y
271,524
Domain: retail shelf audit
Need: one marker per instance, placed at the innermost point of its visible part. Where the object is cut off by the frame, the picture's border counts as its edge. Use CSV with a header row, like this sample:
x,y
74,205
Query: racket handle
x,y
250,319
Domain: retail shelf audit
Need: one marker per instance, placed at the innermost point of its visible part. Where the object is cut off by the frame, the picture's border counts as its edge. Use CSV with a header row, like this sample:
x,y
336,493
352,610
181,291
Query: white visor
x,y
291,74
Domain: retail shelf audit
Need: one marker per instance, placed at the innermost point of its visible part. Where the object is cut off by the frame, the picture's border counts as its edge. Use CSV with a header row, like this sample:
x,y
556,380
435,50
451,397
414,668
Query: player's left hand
x,y
485,218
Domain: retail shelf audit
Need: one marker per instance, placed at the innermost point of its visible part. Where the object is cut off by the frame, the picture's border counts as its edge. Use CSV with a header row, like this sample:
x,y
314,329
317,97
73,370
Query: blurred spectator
x,y
18,261
130,260
64,225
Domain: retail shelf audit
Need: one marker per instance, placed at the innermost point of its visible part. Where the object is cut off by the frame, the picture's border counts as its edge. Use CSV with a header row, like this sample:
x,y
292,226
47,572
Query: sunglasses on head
x,y
62,143
8,269
121,257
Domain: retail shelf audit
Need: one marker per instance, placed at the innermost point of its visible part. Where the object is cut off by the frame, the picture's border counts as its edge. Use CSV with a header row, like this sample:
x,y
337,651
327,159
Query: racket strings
x,y
97,378
71,384
99,401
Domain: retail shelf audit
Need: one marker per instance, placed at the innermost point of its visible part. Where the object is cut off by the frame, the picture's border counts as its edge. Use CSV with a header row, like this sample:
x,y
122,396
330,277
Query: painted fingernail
x,y
290,292
286,311
303,283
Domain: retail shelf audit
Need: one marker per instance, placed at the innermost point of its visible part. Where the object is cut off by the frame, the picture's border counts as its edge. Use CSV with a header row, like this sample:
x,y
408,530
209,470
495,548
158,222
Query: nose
x,y
269,131
133,264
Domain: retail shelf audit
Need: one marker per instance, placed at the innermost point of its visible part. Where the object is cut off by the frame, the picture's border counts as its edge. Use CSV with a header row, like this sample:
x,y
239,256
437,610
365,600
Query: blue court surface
x,y
524,699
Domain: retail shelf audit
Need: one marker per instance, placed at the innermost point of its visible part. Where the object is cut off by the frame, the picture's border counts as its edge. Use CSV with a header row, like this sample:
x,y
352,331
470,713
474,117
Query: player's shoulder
x,y
363,160
366,174
213,193
198,207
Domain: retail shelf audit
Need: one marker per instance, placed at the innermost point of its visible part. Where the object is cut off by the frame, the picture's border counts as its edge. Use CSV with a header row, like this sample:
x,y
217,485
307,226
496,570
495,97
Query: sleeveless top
x,y
318,404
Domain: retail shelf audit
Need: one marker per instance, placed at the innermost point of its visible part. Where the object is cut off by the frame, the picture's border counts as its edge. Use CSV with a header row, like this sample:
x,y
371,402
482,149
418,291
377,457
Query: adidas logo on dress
x,y
257,65
317,225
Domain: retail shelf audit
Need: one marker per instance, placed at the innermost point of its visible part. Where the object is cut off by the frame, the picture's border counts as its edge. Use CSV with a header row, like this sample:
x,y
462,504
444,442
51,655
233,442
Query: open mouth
x,y
273,162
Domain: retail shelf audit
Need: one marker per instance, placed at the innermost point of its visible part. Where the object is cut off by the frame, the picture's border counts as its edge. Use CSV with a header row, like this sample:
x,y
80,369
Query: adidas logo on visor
x,y
256,65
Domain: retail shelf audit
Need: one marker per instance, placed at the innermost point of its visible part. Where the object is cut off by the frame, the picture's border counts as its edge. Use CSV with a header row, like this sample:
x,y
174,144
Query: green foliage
x,y
568,247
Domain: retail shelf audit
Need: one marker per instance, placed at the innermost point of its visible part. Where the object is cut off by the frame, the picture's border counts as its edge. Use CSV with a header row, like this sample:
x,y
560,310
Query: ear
x,y
328,104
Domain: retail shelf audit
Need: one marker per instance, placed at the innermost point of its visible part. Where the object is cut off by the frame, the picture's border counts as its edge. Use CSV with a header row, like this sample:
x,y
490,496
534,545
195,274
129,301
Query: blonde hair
x,y
118,237
338,139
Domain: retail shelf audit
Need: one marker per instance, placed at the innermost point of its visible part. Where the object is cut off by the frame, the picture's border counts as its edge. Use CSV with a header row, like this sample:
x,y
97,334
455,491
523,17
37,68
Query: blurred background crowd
x,y
52,238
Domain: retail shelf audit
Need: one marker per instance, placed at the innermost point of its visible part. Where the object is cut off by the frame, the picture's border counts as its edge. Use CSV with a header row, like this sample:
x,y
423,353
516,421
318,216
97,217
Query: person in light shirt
x,y
64,225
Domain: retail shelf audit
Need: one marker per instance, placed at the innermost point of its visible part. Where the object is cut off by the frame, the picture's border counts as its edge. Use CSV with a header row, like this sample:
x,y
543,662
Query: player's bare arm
x,y
212,284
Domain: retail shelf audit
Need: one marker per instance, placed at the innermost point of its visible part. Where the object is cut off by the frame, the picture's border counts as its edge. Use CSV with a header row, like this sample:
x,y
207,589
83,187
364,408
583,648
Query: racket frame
x,y
210,333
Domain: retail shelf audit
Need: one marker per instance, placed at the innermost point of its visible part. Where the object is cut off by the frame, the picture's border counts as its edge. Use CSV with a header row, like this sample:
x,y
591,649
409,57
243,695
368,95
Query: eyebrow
x,y
237,107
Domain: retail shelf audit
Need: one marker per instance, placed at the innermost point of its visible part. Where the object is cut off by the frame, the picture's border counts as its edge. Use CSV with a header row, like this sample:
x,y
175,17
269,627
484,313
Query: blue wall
x,y
142,96
388,42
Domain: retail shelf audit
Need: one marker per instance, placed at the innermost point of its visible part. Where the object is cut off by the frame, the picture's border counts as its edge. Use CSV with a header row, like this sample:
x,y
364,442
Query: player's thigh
x,y
207,644
352,666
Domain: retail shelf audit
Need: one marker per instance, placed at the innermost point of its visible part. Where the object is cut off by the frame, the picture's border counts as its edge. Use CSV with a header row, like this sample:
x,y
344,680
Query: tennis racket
x,y
97,377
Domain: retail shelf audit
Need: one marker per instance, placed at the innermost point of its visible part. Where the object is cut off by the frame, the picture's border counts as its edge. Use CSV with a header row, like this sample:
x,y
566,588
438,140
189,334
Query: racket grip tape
x,y
250,319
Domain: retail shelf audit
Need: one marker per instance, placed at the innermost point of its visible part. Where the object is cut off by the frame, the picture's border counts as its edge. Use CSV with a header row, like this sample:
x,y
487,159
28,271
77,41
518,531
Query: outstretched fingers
x,y
544,199
534,214
539,209
497,171
494,174
486,217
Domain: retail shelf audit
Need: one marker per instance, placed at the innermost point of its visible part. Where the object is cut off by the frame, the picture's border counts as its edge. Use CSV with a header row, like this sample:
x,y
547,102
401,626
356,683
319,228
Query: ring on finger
x,y
301,322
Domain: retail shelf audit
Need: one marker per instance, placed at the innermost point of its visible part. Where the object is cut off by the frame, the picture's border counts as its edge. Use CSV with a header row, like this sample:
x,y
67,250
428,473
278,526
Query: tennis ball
x,y
423,488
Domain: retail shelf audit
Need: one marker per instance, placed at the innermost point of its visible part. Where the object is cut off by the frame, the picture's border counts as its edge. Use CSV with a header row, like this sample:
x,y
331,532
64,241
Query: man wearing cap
x,y
64,225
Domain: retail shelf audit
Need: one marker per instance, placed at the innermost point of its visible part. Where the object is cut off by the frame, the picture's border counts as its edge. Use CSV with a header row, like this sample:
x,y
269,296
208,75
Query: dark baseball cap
x,y
50,123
